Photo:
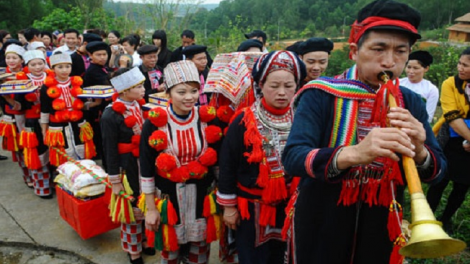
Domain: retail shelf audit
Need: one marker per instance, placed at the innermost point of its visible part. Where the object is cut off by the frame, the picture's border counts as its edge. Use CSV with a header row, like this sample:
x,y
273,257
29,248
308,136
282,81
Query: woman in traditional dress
x,y
178,153
455,122
13,120
35,152
253,186
121,125
416,67
62,124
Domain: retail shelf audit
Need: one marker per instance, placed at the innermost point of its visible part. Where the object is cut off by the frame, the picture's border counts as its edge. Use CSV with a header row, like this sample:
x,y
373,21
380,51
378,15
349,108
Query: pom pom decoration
x,y
76,115
50,73
50,81
165,162
207,113
115,96
31,97
145,114
76,80
208,158
21,75
76,91
158,140
141,102
213,134
196,170
77,105
26,69
130,121
225,113
119,107
53,92
58,104
158,116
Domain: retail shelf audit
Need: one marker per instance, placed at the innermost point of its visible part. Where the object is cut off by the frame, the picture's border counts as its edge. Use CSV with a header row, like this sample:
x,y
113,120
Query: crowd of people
x,y
300,168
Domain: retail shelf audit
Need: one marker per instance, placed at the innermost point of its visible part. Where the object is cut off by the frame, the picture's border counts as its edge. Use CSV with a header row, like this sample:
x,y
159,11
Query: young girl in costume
x,y
178,153
62,123
253,186
13,119
121,125
31,138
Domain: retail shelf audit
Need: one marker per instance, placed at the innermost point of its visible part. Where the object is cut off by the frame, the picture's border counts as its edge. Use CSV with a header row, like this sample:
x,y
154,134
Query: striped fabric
x,y
180,72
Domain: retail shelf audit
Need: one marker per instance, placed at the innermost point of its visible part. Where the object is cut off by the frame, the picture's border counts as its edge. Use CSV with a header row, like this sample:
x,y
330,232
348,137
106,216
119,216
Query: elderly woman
x,y
455,122
178,153
253,186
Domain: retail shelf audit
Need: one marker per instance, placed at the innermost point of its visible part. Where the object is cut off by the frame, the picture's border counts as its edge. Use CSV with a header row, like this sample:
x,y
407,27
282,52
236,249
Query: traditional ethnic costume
x,y
178,154
154,76
61,110
36,154
352,215
12,123
121,124
252,176
96,75
455,104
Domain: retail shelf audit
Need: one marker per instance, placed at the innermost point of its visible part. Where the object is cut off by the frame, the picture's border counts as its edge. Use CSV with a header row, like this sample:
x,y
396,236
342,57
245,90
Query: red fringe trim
x,y
252,138
86,136
267,215
30,143
243,208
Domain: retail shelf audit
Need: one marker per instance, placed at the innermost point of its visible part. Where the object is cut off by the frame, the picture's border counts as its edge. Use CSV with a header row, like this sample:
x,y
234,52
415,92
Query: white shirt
x,y
64,49
427,90
136,61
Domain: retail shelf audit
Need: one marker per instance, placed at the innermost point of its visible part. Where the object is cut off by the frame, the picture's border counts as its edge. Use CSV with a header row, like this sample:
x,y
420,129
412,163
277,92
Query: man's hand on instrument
x,y
380,142
403,119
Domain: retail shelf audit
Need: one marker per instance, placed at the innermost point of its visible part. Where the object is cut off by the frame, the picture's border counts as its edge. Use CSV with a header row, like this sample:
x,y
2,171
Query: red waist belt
x,y
252,191
132,147
34,112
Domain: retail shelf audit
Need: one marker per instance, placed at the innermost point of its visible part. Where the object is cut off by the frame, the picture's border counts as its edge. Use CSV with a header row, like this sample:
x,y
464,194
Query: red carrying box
x,y
88,218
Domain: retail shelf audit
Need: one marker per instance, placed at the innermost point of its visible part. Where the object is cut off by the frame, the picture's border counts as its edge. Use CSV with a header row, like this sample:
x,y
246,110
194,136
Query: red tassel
x,y
172,239
206,211
395,257
243,208
172,217
211,230
252,138
150,238
275,190
267,215
263,176
393,224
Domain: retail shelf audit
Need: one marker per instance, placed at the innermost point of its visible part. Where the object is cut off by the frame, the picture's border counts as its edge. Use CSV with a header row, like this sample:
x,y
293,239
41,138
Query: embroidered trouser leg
x,y
198,254
41,181
131,237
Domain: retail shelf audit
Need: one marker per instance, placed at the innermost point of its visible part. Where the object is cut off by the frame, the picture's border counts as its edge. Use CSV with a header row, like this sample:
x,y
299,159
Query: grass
x,y
461,225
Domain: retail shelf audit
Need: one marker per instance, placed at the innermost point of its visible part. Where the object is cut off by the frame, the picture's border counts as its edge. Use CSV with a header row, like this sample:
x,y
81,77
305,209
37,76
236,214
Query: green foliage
x,y
446,58
20,14
338,62
75,18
